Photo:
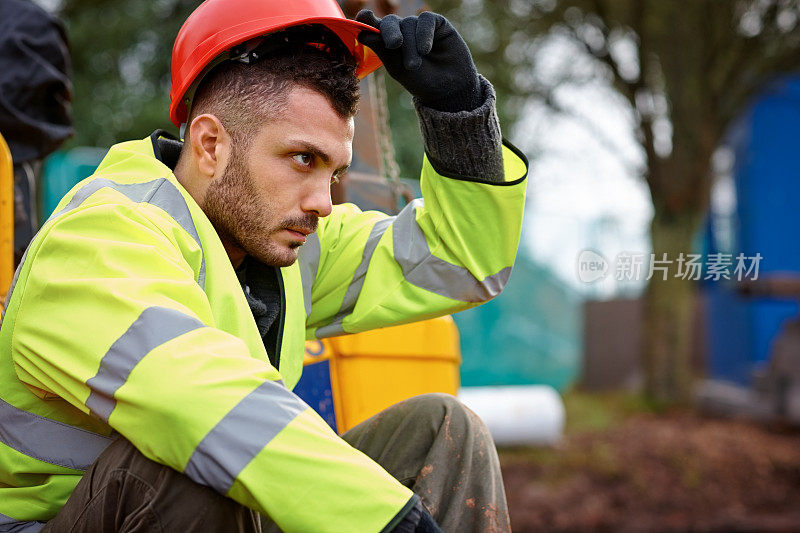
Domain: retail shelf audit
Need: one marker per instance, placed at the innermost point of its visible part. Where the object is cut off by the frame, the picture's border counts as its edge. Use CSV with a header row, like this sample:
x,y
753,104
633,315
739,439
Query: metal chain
x,y
389,167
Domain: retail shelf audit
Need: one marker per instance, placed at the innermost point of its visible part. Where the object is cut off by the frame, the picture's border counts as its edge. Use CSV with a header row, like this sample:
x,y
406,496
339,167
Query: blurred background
x,y
657,131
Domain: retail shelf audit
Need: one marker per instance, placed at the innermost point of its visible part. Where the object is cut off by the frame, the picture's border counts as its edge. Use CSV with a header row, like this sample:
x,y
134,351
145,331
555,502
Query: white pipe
x,y
518,415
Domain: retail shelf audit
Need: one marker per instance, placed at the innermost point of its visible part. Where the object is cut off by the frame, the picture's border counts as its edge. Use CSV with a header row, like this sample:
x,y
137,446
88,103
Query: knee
x,y
434,404
445,411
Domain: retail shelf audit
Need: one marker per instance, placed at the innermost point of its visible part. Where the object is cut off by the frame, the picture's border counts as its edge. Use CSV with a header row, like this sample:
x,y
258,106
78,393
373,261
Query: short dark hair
x,y
245,96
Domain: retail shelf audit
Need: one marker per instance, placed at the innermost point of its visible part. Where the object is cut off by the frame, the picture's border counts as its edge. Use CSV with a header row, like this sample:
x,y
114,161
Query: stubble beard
x,y
232,205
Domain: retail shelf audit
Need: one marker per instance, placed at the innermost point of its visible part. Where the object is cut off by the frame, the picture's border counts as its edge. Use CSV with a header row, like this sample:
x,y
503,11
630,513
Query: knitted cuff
x,y
465,143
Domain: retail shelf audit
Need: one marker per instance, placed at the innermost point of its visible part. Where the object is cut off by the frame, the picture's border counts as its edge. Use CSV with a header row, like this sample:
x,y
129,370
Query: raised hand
x,y
427,56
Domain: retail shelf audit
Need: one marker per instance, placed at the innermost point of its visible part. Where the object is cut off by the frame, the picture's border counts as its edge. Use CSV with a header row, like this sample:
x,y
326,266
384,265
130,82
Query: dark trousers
x,y
430,443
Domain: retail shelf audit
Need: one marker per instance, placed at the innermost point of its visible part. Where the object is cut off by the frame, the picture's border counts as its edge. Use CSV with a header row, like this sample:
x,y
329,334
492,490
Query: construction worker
x,y
155,327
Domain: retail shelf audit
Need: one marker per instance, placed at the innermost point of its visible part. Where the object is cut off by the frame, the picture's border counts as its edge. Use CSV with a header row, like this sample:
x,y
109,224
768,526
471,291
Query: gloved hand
x,y
417,520
427,56
427,524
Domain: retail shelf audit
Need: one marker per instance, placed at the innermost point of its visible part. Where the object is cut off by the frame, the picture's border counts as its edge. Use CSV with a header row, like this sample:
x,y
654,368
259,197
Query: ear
x,y
210,145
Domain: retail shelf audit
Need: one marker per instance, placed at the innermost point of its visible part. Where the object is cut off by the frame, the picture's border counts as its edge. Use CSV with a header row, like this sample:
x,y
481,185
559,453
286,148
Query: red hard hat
x,y
218,25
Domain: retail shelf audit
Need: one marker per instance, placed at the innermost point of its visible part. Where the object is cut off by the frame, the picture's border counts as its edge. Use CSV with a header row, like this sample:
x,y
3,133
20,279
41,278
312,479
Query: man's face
x,y
270,196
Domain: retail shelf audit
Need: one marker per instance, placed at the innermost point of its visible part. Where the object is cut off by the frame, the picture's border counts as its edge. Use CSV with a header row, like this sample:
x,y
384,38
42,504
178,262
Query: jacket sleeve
x,y
112,320
446,252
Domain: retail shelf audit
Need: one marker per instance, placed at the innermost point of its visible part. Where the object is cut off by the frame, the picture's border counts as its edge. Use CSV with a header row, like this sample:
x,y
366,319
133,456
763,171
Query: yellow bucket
x,y
350,378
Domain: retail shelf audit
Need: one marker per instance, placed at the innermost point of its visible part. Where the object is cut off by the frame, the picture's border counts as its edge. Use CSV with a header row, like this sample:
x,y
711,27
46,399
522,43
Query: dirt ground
x,y
648,472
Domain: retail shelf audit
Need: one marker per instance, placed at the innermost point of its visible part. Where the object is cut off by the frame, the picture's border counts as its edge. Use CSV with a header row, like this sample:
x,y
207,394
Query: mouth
x,y
298,233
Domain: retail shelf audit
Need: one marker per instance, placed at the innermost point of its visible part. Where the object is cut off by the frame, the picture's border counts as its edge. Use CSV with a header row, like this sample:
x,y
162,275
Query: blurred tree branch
x,y
705,59
120,57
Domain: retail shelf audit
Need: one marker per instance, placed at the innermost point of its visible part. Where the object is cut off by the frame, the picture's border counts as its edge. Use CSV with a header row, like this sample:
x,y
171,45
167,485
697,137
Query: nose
x,y
318,199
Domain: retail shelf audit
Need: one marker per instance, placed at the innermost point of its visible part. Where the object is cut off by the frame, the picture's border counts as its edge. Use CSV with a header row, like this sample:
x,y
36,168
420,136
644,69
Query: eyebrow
x,y
318,152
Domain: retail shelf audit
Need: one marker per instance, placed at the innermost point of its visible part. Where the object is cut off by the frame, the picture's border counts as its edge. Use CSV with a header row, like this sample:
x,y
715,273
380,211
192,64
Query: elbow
x,y
488,288
456,282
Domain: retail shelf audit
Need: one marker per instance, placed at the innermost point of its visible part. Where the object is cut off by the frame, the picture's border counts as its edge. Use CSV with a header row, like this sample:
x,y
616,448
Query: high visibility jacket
x,y
127,317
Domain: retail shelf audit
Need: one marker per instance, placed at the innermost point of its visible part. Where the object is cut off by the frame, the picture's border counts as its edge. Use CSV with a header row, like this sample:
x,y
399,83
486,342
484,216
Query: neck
x,y
235,254
191,182
188,180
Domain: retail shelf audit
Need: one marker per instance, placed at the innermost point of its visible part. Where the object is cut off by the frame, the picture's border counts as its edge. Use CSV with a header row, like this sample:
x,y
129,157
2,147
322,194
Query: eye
x,y
303,159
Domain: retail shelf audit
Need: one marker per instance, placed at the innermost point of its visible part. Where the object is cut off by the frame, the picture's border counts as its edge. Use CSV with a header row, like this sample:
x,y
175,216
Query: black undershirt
x,y
262,292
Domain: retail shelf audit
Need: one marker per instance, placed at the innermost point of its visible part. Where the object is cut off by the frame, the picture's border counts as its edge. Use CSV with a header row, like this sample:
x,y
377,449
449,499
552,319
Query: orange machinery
x,y
6,219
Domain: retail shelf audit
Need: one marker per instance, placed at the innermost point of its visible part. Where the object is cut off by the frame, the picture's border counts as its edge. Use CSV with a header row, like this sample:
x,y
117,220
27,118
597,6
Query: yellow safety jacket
x,y
127,317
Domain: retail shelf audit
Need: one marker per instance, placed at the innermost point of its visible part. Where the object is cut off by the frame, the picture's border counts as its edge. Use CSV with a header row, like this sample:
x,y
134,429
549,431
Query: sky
x,y
585,188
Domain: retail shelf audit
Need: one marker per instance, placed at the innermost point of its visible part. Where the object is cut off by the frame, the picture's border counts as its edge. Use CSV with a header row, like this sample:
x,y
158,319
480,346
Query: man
x,y
166,298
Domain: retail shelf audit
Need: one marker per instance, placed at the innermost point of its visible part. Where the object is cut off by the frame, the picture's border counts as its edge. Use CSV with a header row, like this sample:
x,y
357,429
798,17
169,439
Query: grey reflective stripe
x,y
242,434
424,270
48,440
354,289
308,261
160,192
11,525
154,327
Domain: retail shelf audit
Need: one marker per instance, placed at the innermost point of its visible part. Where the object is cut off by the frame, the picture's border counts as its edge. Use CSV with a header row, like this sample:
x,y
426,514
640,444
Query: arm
x,y
445,253
451,250
111,319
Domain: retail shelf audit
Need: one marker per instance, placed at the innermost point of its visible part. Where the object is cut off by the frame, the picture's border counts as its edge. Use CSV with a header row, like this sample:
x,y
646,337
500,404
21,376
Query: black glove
x,y
427,56
417,520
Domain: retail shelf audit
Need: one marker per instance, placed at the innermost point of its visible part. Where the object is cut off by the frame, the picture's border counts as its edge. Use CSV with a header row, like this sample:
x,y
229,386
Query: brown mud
x,y
673,472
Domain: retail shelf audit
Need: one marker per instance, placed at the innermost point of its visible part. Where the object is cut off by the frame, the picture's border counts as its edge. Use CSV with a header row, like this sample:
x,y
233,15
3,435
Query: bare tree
x,y
687,68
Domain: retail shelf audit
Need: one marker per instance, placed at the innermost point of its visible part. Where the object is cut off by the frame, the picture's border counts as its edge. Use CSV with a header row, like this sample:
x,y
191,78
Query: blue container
x,y
766,144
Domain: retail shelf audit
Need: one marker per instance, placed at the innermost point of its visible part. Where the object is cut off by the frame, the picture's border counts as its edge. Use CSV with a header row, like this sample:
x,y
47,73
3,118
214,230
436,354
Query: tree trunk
x,y
669,310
